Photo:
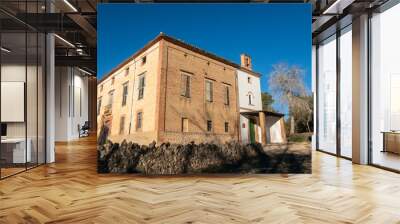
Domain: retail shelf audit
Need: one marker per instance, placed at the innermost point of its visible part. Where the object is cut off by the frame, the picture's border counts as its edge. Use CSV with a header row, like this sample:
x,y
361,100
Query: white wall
x,y
244,88
71,103
274,129
61,103
14,73
80,111
33,125
244,129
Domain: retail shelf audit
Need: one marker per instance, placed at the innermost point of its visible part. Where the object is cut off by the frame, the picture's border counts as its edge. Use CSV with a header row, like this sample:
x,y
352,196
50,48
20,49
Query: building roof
x,y
266,112
180,43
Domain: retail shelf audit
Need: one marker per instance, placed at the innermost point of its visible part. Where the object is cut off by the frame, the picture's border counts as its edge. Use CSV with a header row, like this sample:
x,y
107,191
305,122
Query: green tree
x,y
267,101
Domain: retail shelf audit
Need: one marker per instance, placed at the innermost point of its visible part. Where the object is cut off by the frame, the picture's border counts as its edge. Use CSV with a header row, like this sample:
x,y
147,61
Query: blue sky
x,y
269,33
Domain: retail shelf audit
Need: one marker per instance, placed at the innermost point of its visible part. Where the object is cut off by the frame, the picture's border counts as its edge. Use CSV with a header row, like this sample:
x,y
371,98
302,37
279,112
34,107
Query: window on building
x,y
250,98
124,93
141,86
248,79
144,60
122,125
226,95
226,126
185,85
101,87
209,91
139,120
110,98
209,125
98,106
185,125
112,80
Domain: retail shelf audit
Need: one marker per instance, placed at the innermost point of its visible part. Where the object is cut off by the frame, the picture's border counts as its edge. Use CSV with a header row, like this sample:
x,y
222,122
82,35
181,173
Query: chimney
x,y
245,61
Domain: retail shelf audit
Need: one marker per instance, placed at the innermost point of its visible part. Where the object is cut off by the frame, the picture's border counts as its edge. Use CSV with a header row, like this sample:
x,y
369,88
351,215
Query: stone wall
x,y
231,157
199,137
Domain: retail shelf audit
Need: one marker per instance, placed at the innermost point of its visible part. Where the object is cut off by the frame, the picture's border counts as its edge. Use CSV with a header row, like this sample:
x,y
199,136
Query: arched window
x,y
250,97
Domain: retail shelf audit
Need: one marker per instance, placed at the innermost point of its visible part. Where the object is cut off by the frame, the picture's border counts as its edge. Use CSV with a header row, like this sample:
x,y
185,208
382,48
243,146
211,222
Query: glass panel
x,y
23,90
13,86
327,95
31,98
385,84
41,98
346,93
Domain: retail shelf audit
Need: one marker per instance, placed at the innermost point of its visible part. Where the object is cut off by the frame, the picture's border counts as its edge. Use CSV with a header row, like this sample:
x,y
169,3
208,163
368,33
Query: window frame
x,y
209,126
183,129
140,86
99,105
226,95
186,85
250,95
211,98
125,86
122,124
139,125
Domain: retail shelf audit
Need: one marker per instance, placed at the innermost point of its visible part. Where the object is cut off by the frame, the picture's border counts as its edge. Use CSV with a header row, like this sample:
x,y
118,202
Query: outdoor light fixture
x,y
84,71
64,40
5,50
70,5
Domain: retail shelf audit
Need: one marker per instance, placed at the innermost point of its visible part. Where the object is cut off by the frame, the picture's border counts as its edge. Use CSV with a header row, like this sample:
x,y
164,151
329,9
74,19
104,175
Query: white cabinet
x,y
18,148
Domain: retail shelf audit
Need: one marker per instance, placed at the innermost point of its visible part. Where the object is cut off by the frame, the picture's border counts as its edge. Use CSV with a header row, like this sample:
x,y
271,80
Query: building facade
x,y
256,125
170,91
249,100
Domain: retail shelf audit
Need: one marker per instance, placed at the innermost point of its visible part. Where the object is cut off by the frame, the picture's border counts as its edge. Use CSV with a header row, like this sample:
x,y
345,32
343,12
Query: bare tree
x,y
287,85
302,111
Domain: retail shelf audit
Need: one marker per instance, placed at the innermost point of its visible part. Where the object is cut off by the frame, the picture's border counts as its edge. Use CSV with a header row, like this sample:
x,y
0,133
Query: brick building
x,y
171,91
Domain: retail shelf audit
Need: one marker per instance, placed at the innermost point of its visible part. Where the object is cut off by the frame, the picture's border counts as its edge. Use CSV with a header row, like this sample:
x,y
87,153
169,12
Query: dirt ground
x,y
301,148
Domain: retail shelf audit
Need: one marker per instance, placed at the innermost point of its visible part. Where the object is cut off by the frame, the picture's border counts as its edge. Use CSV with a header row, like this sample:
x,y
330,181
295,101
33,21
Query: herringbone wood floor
x,y
70,191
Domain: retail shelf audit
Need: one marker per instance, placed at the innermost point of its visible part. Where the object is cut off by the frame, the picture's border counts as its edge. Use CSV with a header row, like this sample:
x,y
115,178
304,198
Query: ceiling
x,y
75,22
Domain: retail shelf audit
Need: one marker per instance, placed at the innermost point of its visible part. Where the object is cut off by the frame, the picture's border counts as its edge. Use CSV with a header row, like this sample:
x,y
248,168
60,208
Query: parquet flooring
x,y
70,191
